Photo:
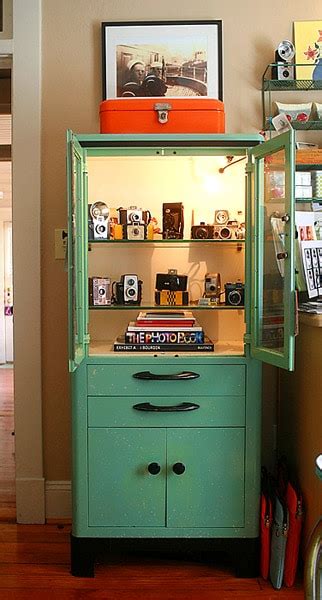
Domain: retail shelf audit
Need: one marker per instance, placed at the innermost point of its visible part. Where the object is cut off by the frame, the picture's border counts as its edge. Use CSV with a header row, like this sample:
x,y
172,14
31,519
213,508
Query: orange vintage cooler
x,y
160,115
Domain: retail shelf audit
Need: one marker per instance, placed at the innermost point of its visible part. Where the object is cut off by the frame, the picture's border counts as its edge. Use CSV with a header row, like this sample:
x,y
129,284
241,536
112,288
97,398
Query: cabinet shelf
x,y
157,307
166,242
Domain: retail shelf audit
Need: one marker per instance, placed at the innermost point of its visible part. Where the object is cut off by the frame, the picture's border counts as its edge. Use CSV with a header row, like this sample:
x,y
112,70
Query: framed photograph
x,y
308,49
175,59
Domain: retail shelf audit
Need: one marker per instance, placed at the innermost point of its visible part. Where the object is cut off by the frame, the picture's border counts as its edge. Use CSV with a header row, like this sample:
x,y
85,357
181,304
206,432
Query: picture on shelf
x,y
156,59
308,46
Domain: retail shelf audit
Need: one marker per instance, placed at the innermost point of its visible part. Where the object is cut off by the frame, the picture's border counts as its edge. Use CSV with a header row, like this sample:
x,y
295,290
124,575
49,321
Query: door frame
x,y
26,179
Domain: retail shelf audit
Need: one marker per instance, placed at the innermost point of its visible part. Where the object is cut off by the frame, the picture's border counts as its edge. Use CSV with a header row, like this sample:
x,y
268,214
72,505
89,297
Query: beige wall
x,y
71,86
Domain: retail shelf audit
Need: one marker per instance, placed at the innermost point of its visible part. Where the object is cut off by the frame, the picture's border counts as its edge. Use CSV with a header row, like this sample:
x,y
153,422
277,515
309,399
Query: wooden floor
x,y
34,559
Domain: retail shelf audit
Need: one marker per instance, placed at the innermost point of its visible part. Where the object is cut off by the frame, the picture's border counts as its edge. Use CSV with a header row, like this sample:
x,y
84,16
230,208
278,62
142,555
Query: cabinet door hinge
x,y
250,167
87,338
247,338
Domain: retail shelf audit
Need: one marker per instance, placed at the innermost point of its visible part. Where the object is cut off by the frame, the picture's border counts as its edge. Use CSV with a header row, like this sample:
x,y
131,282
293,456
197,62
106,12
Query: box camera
x,y
128,290
172,220
234,294
135,232
202,231
99,289
222,233
134,216
98,224
212,285
171,281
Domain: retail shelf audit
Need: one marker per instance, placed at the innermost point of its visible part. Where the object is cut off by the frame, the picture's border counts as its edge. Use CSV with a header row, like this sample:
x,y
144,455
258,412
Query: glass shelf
x,y
167,242
161,308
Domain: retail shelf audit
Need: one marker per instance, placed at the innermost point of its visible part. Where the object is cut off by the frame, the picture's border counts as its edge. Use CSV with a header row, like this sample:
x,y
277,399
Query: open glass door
x,y
77,236
272,251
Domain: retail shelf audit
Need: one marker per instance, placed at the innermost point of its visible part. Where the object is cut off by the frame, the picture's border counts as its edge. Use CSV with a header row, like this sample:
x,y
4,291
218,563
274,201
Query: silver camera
x,y
99,223
136,232
100,293
212,286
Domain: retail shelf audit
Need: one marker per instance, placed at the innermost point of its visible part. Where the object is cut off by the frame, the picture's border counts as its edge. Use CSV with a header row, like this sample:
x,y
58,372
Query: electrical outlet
x,y
60,243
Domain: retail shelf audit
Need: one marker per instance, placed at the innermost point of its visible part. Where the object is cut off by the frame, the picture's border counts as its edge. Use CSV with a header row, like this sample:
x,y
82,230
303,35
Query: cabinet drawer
x,y
210,380
218,411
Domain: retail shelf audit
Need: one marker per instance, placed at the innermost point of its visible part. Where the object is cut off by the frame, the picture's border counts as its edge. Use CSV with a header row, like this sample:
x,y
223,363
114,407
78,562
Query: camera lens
x,y
135,231
134,217
201,233
234,297
131,292
100,228
225,233
130,281
101,292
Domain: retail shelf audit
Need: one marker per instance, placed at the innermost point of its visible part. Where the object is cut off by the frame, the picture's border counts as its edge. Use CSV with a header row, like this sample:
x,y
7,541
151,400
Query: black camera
x,y
202,232
172,220
171,281
234,294
128,290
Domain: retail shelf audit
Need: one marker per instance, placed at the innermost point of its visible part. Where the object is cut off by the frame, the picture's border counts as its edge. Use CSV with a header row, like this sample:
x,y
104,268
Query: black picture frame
x,y
171,58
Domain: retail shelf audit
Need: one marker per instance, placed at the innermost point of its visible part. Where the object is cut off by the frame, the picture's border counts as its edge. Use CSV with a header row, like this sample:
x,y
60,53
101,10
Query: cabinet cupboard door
x,y
122,491
210,491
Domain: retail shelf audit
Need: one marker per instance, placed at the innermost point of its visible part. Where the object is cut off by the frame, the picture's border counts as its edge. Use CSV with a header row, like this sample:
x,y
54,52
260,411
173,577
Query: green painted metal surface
x,y
217,411
122,492
210,492
273,278
118,380
114,495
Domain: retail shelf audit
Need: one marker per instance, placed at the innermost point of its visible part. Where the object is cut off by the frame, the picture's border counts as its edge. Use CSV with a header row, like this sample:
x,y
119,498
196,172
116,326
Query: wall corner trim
x,y
34,510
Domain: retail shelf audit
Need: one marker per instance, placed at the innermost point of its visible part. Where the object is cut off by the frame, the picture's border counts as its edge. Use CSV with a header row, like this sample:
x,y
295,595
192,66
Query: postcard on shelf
x,y
312,265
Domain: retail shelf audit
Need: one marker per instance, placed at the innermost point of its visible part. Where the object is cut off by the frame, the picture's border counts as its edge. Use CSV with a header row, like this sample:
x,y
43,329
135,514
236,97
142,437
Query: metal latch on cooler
x,y
163,110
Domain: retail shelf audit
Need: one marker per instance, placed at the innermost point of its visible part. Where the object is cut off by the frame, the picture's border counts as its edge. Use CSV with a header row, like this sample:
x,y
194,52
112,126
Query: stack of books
x,y
164,331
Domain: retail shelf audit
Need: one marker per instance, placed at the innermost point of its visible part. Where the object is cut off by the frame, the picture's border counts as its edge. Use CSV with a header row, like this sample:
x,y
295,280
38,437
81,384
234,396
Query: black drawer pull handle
x,y
148,407
183,376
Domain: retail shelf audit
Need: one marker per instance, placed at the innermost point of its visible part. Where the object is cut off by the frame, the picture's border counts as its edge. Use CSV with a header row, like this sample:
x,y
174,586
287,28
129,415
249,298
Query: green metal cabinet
x,y
170,473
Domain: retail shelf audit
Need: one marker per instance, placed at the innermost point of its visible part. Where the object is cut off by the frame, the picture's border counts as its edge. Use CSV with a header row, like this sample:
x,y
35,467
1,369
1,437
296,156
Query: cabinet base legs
x,y
246,557
82,556
244,551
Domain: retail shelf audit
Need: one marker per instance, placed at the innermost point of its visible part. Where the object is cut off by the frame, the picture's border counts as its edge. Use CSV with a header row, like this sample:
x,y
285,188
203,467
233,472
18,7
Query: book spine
x,y
164,337
163,347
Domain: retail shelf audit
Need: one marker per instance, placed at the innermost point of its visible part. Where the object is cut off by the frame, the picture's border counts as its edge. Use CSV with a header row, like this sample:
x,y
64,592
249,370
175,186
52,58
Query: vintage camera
x,y
222,233
240,231
221,217
212,286
202,231
284,54
171,281
134,216
234,294
128,290
98,225
171,289
172,220
99,289
135,232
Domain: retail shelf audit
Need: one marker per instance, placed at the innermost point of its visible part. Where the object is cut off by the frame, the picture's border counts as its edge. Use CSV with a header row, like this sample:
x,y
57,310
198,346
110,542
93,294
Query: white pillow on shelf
x,y
295,112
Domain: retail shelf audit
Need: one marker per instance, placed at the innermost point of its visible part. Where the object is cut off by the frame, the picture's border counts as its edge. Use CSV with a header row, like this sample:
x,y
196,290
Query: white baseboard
x,y
58,499
30,500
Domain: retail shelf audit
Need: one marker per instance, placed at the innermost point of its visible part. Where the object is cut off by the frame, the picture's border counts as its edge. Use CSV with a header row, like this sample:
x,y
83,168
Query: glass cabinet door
x,y
272,251
76,251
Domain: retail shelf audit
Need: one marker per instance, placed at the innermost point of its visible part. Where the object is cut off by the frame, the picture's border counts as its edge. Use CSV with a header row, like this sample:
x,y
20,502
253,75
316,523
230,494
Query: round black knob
x,y
154,468
178,468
